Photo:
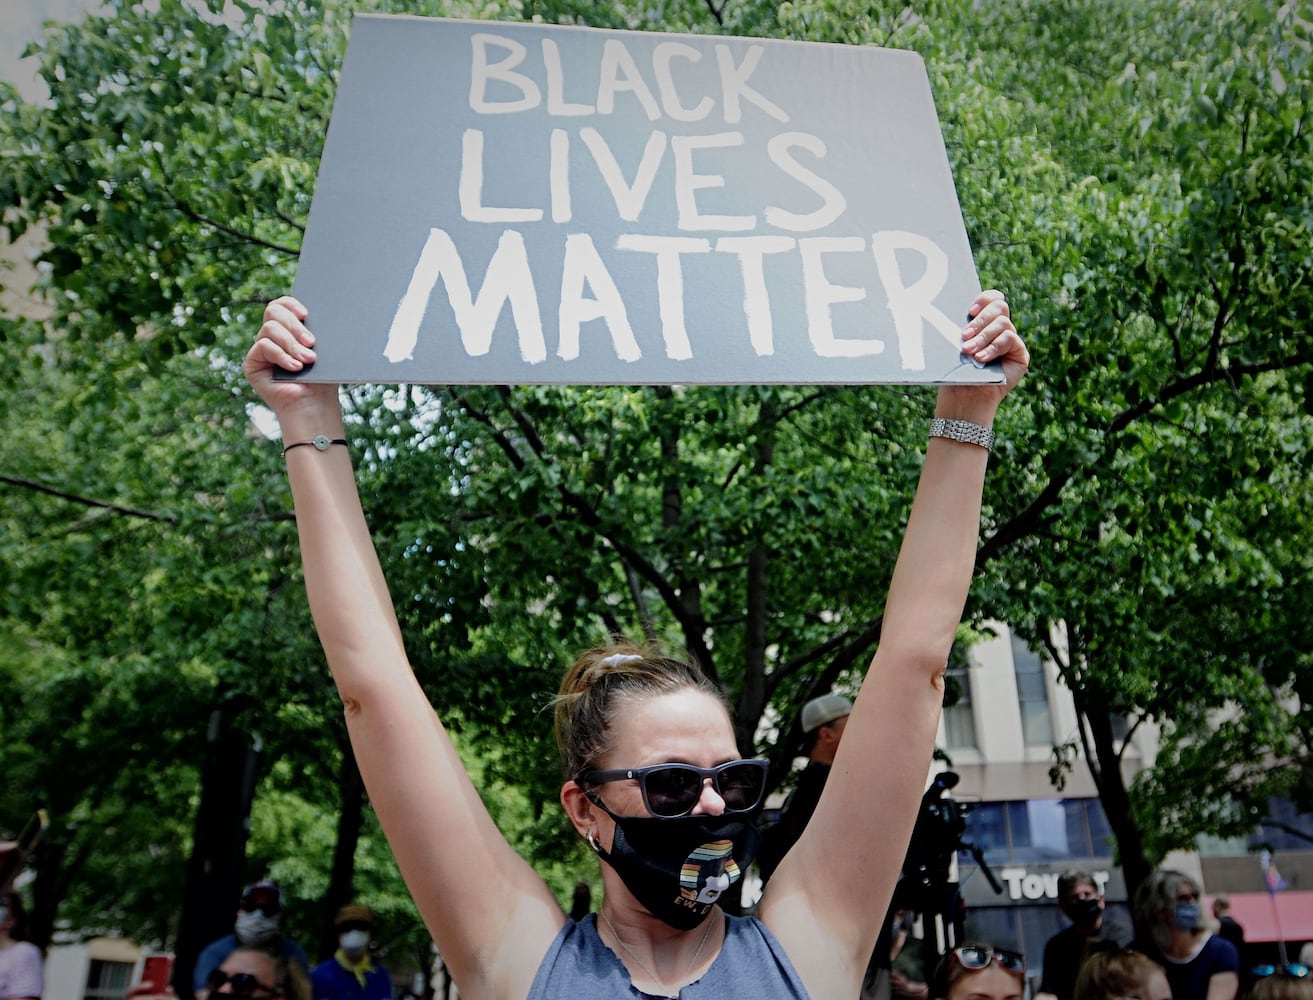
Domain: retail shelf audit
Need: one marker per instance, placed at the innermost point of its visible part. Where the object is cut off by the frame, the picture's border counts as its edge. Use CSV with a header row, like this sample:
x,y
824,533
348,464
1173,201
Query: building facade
x,y
999,738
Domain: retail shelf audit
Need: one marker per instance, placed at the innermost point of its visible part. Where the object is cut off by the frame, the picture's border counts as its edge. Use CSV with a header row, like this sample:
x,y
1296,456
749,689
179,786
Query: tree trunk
x,y
216,868
350,817
1113,794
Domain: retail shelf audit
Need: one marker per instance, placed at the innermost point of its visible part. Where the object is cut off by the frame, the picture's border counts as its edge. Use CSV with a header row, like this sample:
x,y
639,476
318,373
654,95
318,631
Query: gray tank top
x,y
751,966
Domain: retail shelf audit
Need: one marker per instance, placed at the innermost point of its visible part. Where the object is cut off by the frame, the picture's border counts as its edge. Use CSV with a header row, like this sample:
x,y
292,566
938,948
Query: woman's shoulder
x,y
579,965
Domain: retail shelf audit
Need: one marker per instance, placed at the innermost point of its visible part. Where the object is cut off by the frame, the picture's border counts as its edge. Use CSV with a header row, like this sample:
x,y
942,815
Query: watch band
x,y
320,442
962,430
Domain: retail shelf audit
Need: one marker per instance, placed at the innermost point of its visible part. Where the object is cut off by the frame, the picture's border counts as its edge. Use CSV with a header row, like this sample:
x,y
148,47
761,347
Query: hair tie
x,y
615,659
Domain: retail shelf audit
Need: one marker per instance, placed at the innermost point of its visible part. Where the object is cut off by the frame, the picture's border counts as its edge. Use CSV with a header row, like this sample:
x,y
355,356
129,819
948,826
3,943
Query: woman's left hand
x,y
990,336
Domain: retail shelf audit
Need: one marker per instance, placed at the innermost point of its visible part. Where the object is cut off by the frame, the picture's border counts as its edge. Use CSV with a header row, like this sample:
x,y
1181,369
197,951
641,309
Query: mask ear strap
x,y
593,796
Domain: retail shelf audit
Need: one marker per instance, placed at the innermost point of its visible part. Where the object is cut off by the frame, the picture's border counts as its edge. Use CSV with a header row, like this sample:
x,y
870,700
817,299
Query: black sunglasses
x,y
241,984
269,909
673,790
979,956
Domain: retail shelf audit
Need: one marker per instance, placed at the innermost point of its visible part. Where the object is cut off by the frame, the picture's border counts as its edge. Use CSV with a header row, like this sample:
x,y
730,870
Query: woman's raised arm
x,y
491,915
828,897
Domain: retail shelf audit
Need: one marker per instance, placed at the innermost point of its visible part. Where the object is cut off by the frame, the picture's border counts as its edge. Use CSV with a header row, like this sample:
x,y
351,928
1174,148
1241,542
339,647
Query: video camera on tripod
x,y
925,885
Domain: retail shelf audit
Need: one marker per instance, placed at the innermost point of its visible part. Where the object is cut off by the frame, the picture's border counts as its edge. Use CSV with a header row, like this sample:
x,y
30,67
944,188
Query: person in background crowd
x,y
351,974
906,970
20,960
1228,927
258,924
654,780
1111,972
1082,903
979,972
256,974
823,720
1171,928
1289,982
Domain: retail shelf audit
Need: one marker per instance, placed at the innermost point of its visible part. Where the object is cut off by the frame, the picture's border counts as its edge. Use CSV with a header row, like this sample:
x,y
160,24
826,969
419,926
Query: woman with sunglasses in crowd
x,y
1281,982
256,974
655,783
979,972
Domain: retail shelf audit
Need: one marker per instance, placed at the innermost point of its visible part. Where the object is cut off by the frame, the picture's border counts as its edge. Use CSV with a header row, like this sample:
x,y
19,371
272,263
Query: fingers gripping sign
x,y
283,342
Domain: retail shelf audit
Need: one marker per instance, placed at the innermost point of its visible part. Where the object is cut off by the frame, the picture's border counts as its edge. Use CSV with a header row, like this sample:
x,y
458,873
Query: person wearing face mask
x,y
655,779
1171,930
21,964
258,924
352,974
1082,903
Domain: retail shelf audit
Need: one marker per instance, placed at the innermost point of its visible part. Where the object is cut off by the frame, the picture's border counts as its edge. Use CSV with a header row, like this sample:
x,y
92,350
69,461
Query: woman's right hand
x,y
284,341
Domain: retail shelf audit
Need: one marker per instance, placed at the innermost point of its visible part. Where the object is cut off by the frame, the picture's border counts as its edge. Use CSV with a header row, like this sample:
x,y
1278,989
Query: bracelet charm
x,y
320,442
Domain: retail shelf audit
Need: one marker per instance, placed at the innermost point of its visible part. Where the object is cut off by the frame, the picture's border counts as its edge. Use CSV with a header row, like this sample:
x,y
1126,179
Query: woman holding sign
x,y
655,782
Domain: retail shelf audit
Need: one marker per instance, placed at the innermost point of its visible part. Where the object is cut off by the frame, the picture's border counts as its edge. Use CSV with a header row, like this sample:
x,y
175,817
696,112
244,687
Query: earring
x,y
591,837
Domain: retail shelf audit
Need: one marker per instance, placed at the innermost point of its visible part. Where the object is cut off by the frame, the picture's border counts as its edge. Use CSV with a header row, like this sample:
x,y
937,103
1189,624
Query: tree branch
x,y
36,487
205,220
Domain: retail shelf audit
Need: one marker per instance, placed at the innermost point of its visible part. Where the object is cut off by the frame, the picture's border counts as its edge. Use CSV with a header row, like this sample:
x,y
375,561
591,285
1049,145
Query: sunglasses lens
x,y
741,785
973,958
673,790
240,984
1012,961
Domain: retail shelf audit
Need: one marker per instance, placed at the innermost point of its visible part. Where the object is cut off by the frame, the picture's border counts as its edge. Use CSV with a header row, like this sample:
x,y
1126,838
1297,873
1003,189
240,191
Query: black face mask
x,y
1084,912
678,868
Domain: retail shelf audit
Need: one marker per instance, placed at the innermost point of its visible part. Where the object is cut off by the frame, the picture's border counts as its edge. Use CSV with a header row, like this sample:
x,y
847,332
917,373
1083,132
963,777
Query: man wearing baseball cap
x,y
823,720
352,974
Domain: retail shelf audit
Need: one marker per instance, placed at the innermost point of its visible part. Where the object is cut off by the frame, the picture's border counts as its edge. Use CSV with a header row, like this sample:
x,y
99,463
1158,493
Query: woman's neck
x,y
660,959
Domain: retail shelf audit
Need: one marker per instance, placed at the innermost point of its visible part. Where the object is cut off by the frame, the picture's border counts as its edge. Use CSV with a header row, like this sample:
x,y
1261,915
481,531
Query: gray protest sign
x,y
522,203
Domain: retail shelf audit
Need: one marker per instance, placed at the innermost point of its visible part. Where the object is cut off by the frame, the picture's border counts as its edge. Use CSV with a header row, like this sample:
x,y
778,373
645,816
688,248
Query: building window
x,y
1032,694
1039,830
107,980
959,716
1284,828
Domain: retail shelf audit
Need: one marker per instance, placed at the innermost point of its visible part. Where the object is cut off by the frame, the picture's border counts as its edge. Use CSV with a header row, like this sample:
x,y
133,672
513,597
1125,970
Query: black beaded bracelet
x,y
321,442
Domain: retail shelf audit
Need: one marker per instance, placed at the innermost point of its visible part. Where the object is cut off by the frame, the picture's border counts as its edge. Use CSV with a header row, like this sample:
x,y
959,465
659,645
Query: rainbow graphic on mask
x,y
708,872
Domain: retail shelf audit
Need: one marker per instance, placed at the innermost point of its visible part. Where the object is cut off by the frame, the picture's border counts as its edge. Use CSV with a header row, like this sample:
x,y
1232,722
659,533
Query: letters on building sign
x,y
1019,883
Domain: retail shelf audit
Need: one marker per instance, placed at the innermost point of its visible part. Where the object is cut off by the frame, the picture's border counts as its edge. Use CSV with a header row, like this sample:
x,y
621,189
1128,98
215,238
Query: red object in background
x,y
158,969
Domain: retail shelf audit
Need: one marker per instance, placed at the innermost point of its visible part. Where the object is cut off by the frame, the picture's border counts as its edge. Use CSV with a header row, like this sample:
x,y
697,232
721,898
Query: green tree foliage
x,y
1136,175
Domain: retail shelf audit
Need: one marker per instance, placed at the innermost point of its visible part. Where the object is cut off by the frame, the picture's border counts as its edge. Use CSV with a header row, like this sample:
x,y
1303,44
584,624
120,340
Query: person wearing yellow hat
x,y
352,973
